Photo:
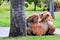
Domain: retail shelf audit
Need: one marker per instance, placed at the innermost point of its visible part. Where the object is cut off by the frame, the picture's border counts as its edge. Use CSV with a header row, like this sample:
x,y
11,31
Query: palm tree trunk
x,y
52,7
18,22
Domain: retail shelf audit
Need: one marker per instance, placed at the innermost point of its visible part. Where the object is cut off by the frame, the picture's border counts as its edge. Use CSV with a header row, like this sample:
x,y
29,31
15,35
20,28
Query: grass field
x,y
55,37
5,18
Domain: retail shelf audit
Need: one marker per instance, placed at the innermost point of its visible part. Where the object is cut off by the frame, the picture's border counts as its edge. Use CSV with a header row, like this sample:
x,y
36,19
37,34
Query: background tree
x,y
33,1
0,2
52,7
18,22
35,4
40,3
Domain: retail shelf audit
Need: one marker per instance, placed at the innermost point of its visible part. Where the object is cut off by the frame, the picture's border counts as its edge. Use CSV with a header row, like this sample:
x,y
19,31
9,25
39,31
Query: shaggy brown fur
x,y
42,25
46,17
30,19
36,28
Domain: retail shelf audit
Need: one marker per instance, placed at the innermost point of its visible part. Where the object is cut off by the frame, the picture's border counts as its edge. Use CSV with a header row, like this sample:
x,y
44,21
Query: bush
x,y
57,2
5,6
26,4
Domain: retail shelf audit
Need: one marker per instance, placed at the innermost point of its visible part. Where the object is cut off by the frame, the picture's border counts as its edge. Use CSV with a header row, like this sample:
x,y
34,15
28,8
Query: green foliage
x,y
0,2
5,6
6,0
26,4
39,3
29,1
58,3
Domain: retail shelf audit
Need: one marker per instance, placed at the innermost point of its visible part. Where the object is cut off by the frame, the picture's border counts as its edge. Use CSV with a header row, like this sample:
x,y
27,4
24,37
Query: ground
x,y
55,37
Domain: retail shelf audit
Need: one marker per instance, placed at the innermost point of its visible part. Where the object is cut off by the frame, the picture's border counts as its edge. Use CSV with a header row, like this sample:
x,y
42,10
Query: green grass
x,y
56,21
55,37
5,18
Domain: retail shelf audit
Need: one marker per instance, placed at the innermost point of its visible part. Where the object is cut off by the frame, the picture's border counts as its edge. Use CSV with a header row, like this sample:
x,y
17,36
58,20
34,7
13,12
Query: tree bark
x,y
18,21
52,8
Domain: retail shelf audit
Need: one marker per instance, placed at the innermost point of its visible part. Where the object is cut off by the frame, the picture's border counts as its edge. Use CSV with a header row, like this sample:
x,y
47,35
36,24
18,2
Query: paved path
x,y
4,31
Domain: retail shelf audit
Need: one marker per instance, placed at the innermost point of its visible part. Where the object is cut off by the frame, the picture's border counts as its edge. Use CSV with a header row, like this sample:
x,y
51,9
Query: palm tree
x,y
18,22
52,7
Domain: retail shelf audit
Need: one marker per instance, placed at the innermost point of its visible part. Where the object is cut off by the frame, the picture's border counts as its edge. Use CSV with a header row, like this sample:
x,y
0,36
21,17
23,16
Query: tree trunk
x,y
34,6
18,22
52,8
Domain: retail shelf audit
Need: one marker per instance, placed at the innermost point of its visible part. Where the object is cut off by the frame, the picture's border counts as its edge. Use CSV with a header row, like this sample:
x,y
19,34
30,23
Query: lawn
x,y
5,18
56,21
55,37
